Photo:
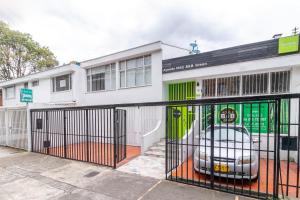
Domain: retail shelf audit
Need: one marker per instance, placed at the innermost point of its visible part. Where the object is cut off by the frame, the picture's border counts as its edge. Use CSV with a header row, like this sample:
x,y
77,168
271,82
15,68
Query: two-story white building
x,y
114,78
129,76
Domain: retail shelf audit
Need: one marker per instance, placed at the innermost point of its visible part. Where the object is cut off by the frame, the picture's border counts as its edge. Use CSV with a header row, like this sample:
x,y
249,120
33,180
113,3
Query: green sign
x,y
257,117
25,95
288,44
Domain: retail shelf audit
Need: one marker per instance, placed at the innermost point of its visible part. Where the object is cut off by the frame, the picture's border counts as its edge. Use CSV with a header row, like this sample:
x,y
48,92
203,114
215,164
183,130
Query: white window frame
x,y
53,83
14,96
89,74
135,68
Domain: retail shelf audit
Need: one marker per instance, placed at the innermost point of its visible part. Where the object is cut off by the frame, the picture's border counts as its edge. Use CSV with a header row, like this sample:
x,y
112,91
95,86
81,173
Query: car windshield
x,y
230,134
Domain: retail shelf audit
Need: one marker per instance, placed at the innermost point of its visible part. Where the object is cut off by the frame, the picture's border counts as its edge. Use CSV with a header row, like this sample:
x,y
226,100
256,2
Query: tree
x,y
20,55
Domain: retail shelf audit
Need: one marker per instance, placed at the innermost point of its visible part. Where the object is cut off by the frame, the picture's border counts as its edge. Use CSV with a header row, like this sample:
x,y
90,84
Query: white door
x,y
17,128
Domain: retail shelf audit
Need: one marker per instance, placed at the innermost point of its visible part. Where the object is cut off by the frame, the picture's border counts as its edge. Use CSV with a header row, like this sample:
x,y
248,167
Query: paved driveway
x,y
34,176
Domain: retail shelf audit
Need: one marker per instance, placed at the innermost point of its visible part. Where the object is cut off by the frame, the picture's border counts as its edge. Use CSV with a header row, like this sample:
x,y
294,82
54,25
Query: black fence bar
x,y
94,135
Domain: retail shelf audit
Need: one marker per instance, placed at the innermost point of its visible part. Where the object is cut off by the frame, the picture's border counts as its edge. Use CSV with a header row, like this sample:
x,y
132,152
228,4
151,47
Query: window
x,y
101,78
62,83
35,83
280,82
255,84
26,85
135,72
229,86
209,88
10,92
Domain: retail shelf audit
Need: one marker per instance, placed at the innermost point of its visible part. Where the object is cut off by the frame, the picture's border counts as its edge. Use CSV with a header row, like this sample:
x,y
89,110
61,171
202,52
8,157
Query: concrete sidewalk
x,y
34,176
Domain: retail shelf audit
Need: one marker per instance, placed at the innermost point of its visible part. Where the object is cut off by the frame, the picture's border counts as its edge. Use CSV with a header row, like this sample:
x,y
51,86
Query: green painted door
x,y
177,92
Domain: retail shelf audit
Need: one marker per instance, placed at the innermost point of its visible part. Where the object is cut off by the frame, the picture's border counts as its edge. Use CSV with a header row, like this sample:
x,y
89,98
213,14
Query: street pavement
x,y
32,176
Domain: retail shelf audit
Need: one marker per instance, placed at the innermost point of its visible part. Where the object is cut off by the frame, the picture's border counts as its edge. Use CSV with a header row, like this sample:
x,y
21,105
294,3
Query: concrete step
x,y
155,154
158,148
160,143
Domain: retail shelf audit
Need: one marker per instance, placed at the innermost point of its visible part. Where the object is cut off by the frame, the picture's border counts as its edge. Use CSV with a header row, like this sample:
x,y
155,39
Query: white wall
x,y
170,51
43,94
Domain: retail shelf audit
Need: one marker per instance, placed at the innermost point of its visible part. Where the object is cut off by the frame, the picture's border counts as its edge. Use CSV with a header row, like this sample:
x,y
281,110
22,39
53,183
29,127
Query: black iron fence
x,y
247,146
95,135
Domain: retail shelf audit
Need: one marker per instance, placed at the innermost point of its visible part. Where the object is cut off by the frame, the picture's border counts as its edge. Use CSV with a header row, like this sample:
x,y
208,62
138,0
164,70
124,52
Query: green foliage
x,y
21,55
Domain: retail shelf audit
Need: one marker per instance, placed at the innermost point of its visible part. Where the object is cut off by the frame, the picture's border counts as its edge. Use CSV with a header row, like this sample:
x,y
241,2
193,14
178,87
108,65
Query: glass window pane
x,y
107,81
139,76
148,75
97,70
131,63
147,60
88,83
113,80
98,82
10,92
122,79
122,65
130,78
140,62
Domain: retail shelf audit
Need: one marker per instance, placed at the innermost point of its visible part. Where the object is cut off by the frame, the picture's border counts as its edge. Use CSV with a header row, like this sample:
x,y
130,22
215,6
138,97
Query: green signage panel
x,y
25,95
257,117
288,44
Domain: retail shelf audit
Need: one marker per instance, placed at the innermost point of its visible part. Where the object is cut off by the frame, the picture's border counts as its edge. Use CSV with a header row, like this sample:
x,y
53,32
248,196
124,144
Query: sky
x,y
77,30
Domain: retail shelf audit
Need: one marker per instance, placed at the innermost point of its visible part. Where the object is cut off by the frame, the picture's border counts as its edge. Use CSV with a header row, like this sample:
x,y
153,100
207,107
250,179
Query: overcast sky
x,y
84,29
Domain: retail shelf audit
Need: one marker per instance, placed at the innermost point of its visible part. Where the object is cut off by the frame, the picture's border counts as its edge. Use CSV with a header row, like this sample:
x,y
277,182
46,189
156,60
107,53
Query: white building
x,y
103,80
128,76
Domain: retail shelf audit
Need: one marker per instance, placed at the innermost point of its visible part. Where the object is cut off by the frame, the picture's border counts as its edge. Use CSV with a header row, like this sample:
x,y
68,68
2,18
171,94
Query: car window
x,y
231,134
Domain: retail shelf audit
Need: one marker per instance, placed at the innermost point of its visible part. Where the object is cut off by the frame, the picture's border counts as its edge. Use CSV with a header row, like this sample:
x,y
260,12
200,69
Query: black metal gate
x,y
237,145
95,135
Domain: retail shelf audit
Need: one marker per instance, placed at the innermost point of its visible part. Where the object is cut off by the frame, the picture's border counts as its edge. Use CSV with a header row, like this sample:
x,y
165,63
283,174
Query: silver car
x,y
235,153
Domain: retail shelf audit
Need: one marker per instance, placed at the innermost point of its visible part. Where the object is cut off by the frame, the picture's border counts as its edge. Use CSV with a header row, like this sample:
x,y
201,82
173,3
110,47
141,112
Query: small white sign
x,y
62,83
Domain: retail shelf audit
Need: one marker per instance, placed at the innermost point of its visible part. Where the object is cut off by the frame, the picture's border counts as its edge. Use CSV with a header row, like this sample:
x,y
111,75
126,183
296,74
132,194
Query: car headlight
x,y
246,160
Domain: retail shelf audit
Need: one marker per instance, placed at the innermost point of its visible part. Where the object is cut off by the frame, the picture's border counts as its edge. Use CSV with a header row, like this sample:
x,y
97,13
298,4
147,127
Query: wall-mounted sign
x,y
228,115
288,44
25,95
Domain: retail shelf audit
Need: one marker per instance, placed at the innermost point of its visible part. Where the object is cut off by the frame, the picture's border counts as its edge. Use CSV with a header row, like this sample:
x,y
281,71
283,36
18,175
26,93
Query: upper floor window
x,y
280,82
209,87
229,86
135,72
249,84
26,85
62,83
255,84
35,83
10,92
101,78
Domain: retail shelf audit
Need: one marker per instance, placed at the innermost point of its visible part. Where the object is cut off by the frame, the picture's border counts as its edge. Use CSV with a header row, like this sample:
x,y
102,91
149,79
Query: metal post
x,y
212,129
65,136
115,118
87,134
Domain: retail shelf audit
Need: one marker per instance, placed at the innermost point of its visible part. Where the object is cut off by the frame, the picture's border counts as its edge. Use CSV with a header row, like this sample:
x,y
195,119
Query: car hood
x,y
228,149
